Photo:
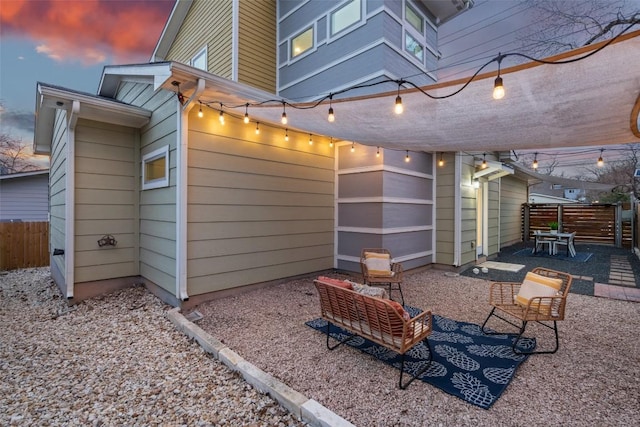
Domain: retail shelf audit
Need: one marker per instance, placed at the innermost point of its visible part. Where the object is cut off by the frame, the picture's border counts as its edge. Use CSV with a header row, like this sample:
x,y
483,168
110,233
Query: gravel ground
x,y
111,361
591,380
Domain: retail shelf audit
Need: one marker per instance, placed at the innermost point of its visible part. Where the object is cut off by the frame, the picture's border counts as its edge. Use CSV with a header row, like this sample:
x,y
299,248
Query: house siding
x,y
210,24
494,217
106,183
445,210
259,208
257,44
57,191
24,198
157,207
468,213
385,202
513,196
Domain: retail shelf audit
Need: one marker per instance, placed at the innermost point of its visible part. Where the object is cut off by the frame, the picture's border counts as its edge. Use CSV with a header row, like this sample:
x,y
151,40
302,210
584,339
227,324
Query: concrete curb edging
x,y
308,410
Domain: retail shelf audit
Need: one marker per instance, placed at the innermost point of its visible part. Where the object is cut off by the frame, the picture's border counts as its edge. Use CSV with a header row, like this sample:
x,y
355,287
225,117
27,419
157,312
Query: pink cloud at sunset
x,y
87,31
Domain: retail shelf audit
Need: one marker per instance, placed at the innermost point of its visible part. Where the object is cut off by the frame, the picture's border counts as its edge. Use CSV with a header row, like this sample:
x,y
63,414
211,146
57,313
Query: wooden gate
x,y
24,244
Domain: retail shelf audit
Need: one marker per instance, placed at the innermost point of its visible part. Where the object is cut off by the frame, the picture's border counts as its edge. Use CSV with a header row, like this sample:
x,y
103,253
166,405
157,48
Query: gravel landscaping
x,y
111,361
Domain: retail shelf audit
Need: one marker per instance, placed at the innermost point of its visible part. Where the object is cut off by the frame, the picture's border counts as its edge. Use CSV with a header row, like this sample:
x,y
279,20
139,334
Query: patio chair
x,y
540,298
567,242
378,268
541,241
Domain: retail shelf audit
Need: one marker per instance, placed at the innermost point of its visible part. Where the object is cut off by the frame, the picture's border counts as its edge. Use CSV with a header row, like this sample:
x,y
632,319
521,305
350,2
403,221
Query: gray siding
x,y
57,191
468,214
385,202
259,208
25,198
157,216
106,201
513,196
494,217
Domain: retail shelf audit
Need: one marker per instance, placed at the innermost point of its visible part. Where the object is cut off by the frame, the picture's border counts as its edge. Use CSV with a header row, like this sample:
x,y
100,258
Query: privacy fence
x,y
24,244
597,223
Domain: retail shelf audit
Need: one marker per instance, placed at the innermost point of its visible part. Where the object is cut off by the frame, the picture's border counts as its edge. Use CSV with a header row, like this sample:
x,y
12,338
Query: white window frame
x,y
202,53
341,8
151,157
418,36
413,55
306,51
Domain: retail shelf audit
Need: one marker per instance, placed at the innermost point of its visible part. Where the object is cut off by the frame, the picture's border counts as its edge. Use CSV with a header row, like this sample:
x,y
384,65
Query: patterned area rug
x,y
466,363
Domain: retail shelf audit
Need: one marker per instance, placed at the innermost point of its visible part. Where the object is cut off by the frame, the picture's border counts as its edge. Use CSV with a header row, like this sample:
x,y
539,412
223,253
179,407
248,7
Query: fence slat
x,y
24,245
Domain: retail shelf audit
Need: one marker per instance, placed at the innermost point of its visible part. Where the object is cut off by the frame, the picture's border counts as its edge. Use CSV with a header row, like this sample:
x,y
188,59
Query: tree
x,y
620,173
547,165
565,25
14,156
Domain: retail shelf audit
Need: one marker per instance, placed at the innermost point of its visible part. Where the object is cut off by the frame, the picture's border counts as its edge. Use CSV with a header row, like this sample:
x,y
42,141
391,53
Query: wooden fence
x,y
24,244
597,223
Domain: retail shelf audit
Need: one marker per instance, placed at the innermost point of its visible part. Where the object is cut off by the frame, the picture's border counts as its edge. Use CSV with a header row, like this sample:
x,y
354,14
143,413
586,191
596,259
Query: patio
x,y
585,383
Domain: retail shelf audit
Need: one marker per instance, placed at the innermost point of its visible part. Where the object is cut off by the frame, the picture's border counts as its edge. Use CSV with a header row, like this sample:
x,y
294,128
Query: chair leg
x,y
524,325
339,342
485,323
401,296
422,371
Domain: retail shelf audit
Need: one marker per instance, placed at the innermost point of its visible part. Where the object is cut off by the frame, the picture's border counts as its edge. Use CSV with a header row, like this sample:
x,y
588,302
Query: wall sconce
x,y
475,183
107,240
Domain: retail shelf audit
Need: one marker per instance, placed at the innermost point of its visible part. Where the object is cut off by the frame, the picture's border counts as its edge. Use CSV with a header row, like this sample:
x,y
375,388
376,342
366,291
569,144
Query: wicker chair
x,y
389,276
542,310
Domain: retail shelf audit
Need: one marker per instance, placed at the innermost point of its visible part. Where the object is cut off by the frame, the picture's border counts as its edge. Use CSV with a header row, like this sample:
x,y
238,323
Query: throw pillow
x,y
535,285
370,291
336,282
378,264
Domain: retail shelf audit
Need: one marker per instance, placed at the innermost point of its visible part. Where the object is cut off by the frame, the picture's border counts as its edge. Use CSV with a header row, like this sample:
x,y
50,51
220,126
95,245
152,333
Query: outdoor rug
x,y
580,256
466,363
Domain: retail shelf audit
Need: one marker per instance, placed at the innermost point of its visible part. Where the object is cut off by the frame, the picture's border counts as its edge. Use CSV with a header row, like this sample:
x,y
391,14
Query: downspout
x,y
457,207
181,191
70,192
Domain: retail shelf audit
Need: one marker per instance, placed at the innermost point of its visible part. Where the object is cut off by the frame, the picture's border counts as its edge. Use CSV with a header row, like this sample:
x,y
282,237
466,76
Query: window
x,y
302,42
200,59
413,47
414,18
155,169
345,16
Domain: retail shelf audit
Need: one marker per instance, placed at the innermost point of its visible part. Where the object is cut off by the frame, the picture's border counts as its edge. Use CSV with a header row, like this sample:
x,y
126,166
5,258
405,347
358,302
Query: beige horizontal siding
x,y
257,44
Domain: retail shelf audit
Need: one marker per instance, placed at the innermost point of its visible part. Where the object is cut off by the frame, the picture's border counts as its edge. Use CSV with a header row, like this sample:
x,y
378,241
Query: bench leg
x,y
339,342
417,375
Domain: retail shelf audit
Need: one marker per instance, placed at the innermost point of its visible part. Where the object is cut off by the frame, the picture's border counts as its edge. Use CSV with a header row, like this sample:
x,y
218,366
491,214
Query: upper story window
x,y
414,47
414,18
347,15
199,60
155,169
302,42
414,34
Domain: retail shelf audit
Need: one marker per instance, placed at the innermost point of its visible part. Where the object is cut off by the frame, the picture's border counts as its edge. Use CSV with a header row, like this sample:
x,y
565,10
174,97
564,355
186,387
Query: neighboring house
x,y
558,189
545,198
24,196
193,207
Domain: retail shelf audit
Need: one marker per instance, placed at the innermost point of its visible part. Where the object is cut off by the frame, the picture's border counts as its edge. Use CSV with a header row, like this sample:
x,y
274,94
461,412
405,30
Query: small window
x,y
200,59
302,42
346,16
155,169
413,47
414,18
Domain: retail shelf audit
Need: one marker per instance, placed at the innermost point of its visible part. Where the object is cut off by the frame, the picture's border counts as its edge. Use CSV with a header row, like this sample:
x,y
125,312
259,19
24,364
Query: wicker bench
x,y
378,320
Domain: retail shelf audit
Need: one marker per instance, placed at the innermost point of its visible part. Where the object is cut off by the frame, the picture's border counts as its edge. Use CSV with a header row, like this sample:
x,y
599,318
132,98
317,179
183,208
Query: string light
x,y
286,134
331,117
407,159
535,161
377,151
310,140
246,114
331,142
600,160
284,114
353,147
498,88
484,161
258,128
399,108
200,113
221,117
441,161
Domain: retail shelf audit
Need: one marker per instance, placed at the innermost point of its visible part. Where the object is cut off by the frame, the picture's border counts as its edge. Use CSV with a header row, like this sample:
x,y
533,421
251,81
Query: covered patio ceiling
x,y
591,102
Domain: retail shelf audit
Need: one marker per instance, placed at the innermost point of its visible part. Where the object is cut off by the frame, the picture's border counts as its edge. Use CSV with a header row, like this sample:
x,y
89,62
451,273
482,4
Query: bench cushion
x,y
337,282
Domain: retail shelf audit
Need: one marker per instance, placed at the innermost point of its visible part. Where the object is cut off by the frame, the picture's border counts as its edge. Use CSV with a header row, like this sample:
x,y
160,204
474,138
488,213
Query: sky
x,y
68,42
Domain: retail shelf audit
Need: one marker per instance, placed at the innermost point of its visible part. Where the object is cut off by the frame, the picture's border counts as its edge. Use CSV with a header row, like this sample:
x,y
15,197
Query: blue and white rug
x,y
466,363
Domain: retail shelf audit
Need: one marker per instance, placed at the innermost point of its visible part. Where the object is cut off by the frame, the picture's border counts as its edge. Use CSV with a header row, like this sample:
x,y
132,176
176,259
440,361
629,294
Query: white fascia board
x,y
113,76
170,30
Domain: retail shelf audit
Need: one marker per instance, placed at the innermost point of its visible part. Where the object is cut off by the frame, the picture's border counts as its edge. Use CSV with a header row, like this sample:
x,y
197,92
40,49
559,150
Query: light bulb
x,y
331,143
600,162
221,118
399,109
286,135
407,158
535,164
200,113
284,118
310,140
377,151
353,148
440,162
258,128
498,88
331,117
246,118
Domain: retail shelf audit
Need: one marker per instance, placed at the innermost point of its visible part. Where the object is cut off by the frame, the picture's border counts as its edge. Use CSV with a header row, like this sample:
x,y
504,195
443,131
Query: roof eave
x,y
170,30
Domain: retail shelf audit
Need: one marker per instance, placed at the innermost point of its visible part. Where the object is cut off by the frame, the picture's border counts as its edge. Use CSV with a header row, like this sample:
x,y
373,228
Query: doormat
x,y
504,266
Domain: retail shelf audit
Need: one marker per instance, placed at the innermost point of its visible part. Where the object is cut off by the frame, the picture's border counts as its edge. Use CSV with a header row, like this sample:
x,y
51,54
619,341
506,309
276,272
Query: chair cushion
x,y
535,285
370,291
378,264
336,282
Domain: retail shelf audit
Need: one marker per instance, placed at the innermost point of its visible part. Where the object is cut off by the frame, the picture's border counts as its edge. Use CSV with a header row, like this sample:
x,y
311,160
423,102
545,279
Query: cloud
x,y
19,120
87,31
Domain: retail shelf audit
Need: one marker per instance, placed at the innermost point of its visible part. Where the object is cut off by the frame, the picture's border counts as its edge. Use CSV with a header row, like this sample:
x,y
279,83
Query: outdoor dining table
x,y
555,239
